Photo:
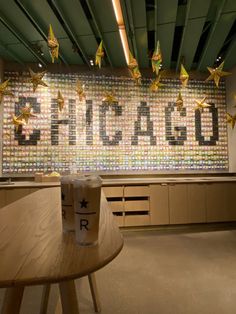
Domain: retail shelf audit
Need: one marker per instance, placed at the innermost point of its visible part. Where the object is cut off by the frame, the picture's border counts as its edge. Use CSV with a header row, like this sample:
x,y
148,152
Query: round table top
x,y
34,250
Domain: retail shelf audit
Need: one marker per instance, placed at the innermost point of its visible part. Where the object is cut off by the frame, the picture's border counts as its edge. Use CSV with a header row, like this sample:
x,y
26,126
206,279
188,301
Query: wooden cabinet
x,y
136,205
180,203
196,202
114,195
159,204
130,204
216,202
220,202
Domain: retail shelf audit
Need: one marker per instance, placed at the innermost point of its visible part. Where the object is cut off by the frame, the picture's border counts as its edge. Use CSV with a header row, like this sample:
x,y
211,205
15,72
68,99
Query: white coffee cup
x,y
87,198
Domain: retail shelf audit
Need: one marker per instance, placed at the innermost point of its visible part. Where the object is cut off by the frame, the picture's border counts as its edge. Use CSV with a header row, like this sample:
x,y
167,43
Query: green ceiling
x,y
195,31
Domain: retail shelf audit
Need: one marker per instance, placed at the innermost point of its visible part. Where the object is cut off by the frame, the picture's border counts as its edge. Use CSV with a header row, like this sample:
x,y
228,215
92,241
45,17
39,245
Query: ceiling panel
x,y
166,11
140,31
216,40
197,30
196,15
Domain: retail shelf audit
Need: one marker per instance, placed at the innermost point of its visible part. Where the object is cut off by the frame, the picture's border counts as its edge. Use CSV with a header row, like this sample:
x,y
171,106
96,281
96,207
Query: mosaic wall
x,y
142,130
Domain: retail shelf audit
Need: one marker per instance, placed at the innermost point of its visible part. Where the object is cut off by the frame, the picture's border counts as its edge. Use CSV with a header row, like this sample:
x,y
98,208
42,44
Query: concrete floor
x,y
161,272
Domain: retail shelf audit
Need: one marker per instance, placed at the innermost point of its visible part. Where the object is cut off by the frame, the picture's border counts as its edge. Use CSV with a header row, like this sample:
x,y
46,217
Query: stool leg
x,y
12,300
68,297
94,292
44,299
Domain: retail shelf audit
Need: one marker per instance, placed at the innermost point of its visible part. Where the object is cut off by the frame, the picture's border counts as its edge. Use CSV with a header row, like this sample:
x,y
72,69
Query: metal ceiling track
x,y
37,27
24,41
68,29
92,12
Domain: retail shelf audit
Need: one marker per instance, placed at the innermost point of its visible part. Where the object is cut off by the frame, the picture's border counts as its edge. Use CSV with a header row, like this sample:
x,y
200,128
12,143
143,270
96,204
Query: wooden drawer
x,y
136,205
113,191
136,190
119,220
116,206
136,220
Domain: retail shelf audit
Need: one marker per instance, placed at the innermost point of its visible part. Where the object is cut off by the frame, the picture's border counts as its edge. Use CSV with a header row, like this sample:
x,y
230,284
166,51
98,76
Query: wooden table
x,y
34,250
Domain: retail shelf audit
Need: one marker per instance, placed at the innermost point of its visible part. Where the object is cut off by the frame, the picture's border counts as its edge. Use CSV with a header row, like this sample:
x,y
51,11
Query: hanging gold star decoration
x,y
36,79
217,73
179,102
132,62
109,97
25,113
60,101
99,55
184,76
231,119
155,84
134,69
156,59
80,91
136,75
201,104
53,44
17,122
3,91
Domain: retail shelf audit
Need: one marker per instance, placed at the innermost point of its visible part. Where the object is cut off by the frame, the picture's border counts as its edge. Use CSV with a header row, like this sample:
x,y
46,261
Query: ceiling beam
x,y
212,32
68,29
37,27
23,40
183,35
230,54
165,20
98,29
10,53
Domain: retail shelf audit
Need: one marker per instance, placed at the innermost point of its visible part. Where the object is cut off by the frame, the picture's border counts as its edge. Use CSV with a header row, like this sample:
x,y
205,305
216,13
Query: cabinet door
x,y
196,202
178,204
216,202
2,197
159,204
230,201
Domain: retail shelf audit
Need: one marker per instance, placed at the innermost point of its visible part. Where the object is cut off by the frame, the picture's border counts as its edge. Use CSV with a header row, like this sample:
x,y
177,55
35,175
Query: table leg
x,y
12,300
44,299
94,292
68,297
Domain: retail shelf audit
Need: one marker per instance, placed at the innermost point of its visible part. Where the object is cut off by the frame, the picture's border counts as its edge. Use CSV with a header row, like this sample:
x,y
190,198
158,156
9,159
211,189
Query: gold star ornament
x,y
179,102
99,55
60,101
156,59
36,79
53,44
184,76
109,97
3,91
80,91
217,73
25,114
201,104
17,122
231,119
155,84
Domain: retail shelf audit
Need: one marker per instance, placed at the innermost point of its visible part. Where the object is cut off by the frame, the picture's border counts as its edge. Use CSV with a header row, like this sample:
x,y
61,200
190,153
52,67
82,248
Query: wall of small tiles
x,y
140,131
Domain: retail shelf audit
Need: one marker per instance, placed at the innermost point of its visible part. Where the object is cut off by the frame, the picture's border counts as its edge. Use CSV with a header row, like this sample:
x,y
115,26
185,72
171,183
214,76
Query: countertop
x,y
27,184
167,180
128,181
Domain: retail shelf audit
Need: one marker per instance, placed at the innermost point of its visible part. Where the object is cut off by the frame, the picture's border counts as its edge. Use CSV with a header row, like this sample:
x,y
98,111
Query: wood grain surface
x,y
34,249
